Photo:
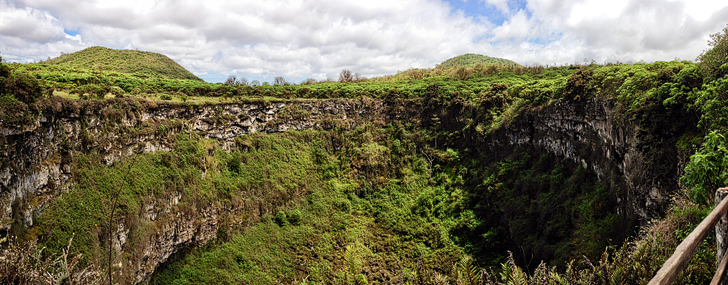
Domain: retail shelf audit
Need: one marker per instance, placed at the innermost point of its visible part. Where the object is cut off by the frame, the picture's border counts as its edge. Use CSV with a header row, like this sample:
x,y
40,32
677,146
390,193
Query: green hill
x,y
471,59
126,61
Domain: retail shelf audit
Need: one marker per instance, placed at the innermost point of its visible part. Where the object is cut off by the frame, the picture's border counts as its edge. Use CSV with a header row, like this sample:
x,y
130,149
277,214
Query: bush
x,y
462,73
707,168
294,217
165,97
25,88
579,85
28,264
4,73
281,218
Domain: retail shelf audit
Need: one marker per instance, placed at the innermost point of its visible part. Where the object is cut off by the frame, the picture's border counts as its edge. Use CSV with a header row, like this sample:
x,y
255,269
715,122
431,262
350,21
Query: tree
x,y
110,201
309,81
713,59
231,80
242,81
345,76
279,80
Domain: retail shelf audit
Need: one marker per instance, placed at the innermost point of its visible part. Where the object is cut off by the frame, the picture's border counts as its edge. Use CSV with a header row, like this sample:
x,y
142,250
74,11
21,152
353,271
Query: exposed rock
x,y
36,159
36,163
591,134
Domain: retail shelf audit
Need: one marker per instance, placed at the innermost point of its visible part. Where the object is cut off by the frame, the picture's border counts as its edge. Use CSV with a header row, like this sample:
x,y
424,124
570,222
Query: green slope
x,y
125,61
471,59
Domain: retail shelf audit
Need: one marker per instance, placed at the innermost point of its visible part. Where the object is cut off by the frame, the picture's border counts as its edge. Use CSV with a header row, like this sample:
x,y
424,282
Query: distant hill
x,y
471,59
126,61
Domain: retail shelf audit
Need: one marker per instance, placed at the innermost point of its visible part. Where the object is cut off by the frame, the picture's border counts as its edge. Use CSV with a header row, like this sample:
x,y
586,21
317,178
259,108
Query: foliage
x,y
28,264
24,88
408,85
470,59
708,168
710,102
579,85
139,63
410,203
345,76
714,59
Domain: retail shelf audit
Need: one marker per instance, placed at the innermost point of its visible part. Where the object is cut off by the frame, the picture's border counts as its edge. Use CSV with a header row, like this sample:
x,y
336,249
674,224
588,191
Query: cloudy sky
x,y
317,39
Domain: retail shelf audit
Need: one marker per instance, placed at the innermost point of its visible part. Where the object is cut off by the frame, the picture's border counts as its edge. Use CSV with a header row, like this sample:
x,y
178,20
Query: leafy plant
x,y
714,59
707,169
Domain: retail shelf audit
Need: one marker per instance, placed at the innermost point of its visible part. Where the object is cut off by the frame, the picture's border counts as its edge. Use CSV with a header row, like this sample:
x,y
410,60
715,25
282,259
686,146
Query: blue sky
x,y
481,10
300,39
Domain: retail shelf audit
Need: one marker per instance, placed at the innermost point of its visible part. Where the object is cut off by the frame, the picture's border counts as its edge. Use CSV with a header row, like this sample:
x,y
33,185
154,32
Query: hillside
x,y
471,59
126,61
581,174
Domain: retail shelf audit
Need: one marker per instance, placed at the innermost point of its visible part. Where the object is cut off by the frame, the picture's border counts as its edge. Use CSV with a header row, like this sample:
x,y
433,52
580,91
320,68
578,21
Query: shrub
x,y
461,73
28,264
707,168
281,218
25,88
165,97
294,217
579,85
118,92
4,73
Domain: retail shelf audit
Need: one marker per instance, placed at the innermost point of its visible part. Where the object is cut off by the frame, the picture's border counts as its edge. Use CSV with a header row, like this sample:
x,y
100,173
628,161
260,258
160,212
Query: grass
x,y
380,203
126,61
470,59
192,100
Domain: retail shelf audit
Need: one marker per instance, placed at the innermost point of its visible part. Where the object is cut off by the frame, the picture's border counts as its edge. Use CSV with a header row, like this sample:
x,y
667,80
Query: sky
x,y
297,39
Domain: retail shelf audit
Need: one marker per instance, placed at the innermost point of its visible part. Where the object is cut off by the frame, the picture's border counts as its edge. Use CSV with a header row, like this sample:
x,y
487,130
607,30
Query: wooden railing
x,y
684,252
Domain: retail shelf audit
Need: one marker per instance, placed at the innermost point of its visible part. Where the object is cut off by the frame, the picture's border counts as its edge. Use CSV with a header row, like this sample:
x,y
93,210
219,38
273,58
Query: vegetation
x,y
470,59
411,202
714,59
139,63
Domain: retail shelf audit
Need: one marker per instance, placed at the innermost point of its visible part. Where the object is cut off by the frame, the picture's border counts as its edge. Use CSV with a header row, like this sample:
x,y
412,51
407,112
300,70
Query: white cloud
x,y
299,39
29,23
596,9
502,5
518,27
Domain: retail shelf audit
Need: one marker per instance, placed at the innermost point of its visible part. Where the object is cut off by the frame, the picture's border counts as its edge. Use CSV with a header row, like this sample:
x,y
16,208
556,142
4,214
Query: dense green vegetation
x,y
407,85
410,202
470,59
139,63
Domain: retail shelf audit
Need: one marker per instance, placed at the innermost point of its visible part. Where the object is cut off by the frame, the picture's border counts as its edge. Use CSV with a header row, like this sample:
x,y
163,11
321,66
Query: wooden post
x,y
721,232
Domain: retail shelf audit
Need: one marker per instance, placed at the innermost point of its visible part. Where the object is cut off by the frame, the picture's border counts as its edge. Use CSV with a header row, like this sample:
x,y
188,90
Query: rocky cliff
x,y
634,156
36,158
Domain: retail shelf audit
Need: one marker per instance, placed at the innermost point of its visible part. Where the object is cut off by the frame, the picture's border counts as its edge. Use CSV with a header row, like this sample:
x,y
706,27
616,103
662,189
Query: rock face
x,y
36,159
637,159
